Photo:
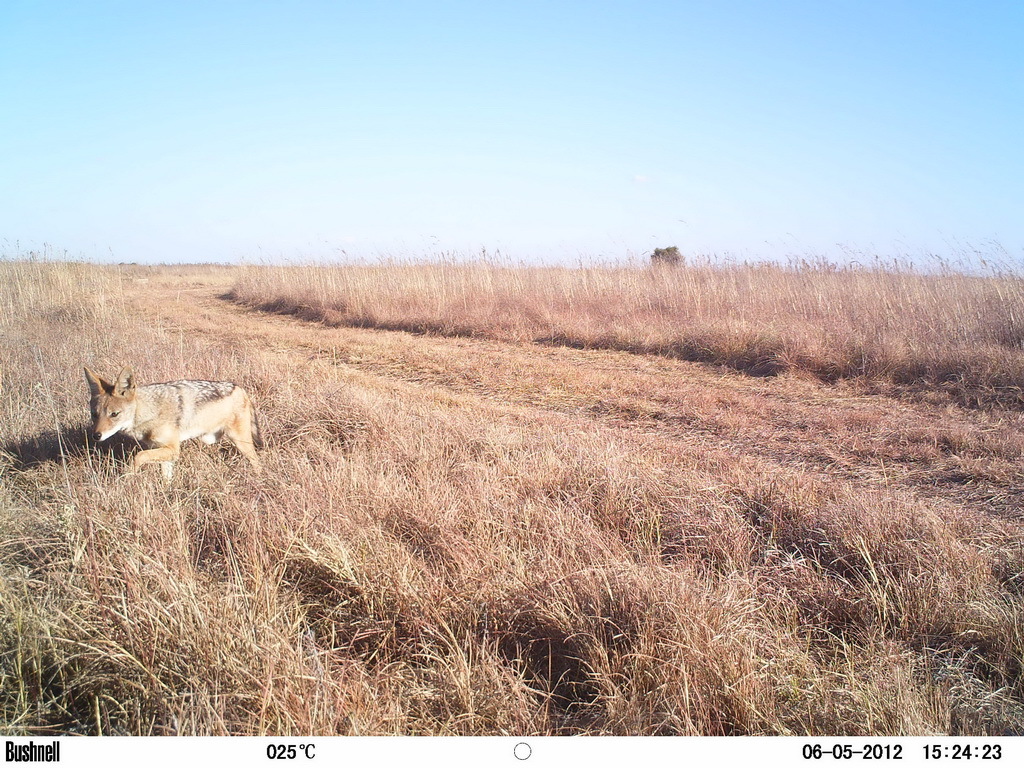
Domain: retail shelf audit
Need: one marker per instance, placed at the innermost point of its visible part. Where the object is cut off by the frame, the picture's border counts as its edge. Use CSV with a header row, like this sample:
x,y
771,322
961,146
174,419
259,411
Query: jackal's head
x,y
112,405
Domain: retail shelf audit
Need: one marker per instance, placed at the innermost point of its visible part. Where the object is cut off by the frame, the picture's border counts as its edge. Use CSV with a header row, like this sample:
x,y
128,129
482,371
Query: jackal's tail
x,y
257,433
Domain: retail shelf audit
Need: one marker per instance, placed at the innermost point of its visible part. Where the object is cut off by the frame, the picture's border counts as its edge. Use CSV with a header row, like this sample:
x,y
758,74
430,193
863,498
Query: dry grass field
x,y
705,500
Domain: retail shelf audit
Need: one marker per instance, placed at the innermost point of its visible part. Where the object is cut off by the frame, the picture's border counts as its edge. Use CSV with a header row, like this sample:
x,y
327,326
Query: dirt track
x,y
837,432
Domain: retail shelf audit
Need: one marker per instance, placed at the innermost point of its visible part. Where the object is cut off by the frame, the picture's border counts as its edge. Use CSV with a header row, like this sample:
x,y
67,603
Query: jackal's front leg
x,y
166,454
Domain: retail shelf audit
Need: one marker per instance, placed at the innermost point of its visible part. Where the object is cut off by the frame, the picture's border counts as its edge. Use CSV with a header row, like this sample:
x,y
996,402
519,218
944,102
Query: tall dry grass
x,y
416,562
887,323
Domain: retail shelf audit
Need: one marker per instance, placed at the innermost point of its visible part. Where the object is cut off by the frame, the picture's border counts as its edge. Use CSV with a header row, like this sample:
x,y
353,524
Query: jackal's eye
x,y
114,414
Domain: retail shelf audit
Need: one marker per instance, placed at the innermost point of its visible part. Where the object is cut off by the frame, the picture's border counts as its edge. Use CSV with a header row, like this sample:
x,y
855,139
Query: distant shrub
x,y
670,256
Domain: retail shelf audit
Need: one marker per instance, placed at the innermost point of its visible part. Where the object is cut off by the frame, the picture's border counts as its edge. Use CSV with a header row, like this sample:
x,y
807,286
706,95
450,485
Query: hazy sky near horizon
x,y
548,131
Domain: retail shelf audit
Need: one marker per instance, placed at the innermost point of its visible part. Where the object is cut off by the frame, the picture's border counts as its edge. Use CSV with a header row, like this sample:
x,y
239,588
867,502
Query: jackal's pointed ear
x,y
125,385
97,384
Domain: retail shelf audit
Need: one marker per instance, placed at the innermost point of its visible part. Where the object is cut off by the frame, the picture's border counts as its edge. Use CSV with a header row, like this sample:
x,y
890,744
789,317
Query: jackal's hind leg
x,y
239,434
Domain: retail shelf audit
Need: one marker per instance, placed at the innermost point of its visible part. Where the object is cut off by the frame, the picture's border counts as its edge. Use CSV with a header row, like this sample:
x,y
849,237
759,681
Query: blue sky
x,y
548,131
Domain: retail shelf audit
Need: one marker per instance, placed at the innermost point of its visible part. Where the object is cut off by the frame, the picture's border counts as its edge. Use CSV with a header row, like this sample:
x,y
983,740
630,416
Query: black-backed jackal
x,y
162,416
